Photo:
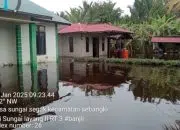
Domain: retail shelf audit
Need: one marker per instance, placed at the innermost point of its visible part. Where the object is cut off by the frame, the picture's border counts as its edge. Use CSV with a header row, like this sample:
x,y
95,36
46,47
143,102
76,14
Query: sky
x,y
65,5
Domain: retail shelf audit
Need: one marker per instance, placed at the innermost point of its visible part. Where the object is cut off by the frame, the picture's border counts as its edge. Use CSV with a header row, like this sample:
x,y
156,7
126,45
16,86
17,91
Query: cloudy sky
x,y
62,5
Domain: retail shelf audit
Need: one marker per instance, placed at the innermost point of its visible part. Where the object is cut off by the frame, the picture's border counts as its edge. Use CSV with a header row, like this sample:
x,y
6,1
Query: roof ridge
x,y
102,27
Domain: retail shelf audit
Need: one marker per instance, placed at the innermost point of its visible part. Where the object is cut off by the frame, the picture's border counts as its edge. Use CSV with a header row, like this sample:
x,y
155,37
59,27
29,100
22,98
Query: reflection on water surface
x,y
136,97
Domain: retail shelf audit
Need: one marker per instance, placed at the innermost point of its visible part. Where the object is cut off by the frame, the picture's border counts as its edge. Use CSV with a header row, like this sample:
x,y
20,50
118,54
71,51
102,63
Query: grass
x,y
152,62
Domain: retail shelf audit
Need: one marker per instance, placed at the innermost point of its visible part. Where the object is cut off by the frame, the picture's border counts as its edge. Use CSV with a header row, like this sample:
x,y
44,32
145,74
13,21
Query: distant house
x,y
88,40
168,46
28,33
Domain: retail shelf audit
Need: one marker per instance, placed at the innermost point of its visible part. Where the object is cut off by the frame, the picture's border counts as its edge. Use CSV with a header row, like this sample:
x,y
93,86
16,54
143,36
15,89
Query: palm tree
x,y
140,10
79,14
94,12
143,10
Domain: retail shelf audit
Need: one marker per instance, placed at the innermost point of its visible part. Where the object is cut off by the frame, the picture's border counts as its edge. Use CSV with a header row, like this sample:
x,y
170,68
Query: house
x,y
28,33
88,40
167,47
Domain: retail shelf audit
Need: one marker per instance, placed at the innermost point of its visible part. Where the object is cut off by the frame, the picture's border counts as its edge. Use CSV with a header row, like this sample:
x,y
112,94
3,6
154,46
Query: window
x,y
103,42
87,44
41,40
71,46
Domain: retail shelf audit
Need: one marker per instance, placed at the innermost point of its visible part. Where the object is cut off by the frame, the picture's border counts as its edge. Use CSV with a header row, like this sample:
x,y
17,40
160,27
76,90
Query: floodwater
x,y
95,96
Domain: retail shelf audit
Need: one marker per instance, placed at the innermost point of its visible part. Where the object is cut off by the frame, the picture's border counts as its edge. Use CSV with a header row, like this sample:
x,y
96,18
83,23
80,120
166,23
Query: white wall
x,y
8,79
7,43
52,75
50,44
103,53
8,40
25,43
80,45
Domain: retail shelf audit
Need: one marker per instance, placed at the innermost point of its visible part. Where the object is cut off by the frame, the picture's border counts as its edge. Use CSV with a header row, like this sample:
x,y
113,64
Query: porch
x,y
166,47
117,43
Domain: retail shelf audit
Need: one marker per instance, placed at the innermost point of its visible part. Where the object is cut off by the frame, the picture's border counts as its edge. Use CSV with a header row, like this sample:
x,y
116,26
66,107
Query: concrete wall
x,y
8,79
80,45
25,43
8,43
50,44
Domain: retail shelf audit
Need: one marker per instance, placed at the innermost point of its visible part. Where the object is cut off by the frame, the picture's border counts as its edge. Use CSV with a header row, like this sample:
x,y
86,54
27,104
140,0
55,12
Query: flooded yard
x,y
95,96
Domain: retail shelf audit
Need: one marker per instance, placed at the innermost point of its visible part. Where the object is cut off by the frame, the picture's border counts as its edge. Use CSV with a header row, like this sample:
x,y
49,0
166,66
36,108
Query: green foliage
x,y
165,26
101,12
158,9
143,32
154,62
106,12
140,10
160,82
148,18
143,10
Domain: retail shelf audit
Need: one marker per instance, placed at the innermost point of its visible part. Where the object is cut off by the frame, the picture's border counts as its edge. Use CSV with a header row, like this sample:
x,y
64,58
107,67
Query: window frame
x,y
71,44
38,39
87,44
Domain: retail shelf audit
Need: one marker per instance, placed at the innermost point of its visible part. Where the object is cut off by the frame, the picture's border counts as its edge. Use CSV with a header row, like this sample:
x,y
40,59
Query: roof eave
x,y
167,39
25,13
115,32
50,21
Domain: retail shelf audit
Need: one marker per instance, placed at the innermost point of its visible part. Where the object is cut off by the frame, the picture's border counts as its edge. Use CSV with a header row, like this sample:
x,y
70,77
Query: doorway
x,y
95,47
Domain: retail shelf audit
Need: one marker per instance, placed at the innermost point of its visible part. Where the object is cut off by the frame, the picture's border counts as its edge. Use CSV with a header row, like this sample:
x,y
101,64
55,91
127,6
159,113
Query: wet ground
x,y
96,96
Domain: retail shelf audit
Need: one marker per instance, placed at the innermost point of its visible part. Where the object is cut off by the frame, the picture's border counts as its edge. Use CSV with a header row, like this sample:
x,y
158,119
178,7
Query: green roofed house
x,y
28,33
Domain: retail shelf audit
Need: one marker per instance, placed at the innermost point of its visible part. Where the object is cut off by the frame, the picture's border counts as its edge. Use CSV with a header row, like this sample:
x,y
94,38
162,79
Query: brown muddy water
x,y
95,96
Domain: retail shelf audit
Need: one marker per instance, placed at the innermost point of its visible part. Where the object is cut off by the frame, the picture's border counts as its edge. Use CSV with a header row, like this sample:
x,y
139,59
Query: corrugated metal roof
x,y
59,19
165,39
90,28
29,7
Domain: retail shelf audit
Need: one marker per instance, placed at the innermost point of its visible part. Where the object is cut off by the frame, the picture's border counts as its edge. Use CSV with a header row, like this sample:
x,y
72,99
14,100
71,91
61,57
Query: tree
x,y
61,14
143,32
100,12
158,9
143,10
106,12
77,14
165,26
140,10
